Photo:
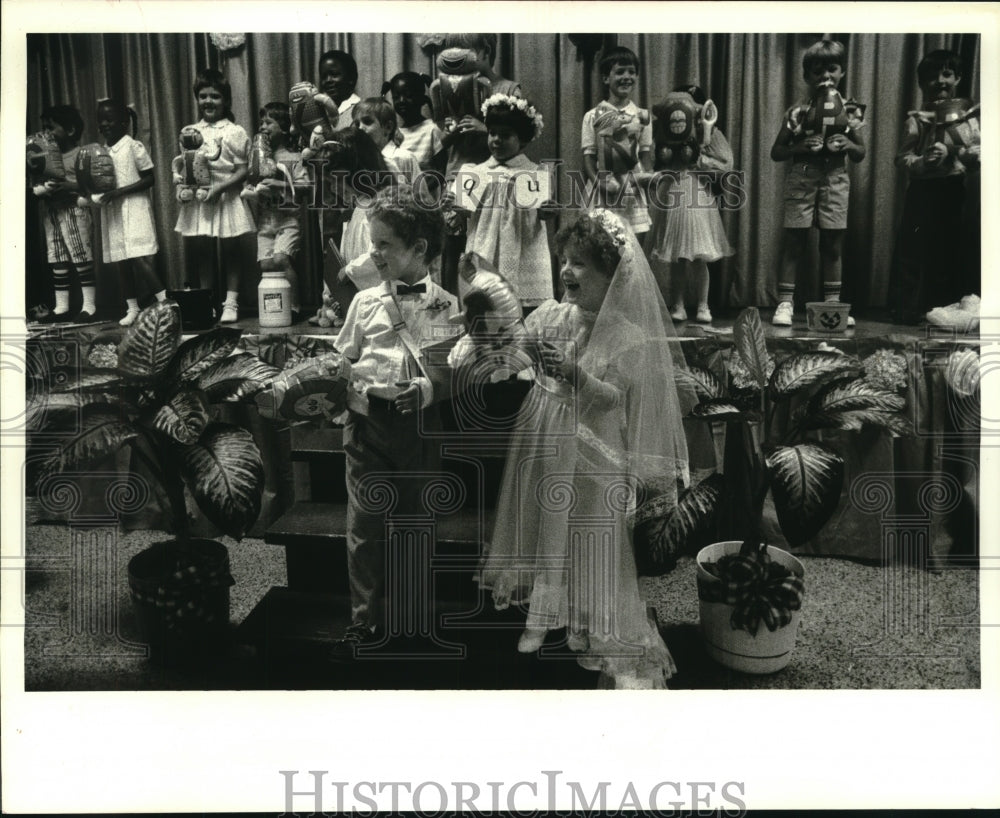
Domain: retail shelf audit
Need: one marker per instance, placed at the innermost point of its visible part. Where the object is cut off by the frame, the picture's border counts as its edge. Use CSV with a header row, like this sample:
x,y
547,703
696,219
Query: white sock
x,y
132,304
62,302
89,302
161,295
231,298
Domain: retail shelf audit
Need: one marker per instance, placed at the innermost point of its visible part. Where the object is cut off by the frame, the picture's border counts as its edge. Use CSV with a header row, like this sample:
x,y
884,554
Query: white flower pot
x,y
765,652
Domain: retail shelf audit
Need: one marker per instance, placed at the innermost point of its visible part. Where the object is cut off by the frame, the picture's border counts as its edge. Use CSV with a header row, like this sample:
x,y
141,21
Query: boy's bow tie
x,y
404,289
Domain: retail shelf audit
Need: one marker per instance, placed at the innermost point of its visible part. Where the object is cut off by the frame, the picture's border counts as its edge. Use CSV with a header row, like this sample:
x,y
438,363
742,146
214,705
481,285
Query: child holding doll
x,y
128,232
222,215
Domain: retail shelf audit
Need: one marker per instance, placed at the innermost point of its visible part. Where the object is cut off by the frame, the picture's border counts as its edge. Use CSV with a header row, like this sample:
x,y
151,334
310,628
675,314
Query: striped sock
x,y
786,292
60,282
831,291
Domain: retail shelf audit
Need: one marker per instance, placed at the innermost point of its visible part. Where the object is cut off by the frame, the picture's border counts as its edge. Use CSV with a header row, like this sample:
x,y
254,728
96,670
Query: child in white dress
x,y
222,215
128,232
510,237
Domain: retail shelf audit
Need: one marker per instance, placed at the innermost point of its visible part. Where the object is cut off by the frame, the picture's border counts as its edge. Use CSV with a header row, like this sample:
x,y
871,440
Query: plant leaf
x,y
51,410
898,425
847,396
184,417
704,382
101,432
90,380
673,535
225,474
748,335
197,354
805,481
806,369
150,342
722,409
235,377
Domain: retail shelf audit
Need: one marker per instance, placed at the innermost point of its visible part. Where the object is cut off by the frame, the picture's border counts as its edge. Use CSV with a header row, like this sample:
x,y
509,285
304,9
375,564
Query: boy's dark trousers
x,y
390,460
929,254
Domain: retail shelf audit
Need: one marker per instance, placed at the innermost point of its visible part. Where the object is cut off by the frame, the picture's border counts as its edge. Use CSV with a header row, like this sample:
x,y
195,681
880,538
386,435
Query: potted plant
x,y
751,592
156,398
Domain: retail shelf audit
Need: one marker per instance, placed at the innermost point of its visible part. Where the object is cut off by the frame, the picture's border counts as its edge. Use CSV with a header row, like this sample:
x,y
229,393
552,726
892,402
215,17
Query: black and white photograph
x,y
530,395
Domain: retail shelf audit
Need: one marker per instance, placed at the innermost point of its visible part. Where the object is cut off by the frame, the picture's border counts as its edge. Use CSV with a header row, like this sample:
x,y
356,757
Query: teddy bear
x,y
192,174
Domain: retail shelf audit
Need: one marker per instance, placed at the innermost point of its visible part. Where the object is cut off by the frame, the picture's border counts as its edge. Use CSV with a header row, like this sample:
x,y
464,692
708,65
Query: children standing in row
x,y
128,232
222,215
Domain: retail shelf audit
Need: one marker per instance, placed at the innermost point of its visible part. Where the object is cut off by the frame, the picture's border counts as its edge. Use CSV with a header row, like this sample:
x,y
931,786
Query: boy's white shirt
x,y
378,355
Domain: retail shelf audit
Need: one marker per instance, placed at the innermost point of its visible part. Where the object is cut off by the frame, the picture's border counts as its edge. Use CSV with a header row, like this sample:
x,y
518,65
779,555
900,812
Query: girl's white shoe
x,y
129,318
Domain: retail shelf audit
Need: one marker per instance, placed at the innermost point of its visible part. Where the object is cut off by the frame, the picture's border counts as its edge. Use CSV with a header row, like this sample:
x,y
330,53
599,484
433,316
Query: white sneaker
x,y
783,315
229,314
129,318
704,315
679,314
850,321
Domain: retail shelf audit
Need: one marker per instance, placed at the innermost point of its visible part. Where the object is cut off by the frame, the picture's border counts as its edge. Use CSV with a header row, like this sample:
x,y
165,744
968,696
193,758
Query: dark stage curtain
x,y
752,77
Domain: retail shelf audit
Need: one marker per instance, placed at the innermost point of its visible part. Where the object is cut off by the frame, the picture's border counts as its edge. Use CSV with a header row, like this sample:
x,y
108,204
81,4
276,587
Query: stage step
x,y
315,542
293,633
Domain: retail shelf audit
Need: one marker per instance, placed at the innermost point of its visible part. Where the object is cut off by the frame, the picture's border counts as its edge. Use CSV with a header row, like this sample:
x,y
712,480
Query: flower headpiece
x,y
610,224
505,101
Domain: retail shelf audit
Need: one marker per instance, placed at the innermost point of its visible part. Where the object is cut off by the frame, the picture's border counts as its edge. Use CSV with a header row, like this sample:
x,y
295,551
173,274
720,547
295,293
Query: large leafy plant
x,y
158,401
765,453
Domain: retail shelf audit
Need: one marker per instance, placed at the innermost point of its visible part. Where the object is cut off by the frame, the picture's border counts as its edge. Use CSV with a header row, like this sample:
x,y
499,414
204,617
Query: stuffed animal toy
x,y
618,138
314,117
261,165
330,314
95,169
681,128
192,174
954,124
463,83
826,114
44,159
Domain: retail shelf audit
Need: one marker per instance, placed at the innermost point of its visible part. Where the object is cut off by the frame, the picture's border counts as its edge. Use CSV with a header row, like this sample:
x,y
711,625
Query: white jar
x,y
274,300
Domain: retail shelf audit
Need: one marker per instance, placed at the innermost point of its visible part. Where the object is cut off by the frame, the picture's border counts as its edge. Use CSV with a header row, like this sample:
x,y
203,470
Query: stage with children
x,y
489,333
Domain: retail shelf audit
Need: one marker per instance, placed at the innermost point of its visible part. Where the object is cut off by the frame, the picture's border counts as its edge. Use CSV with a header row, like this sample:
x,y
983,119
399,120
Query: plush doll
x,y
827,114
95,169
192,174
330,313
618,138
314,117
463,83
44,159
681,128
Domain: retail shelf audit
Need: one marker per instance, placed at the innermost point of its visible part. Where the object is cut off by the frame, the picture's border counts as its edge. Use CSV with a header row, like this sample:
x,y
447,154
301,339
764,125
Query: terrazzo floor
x,y
84,636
